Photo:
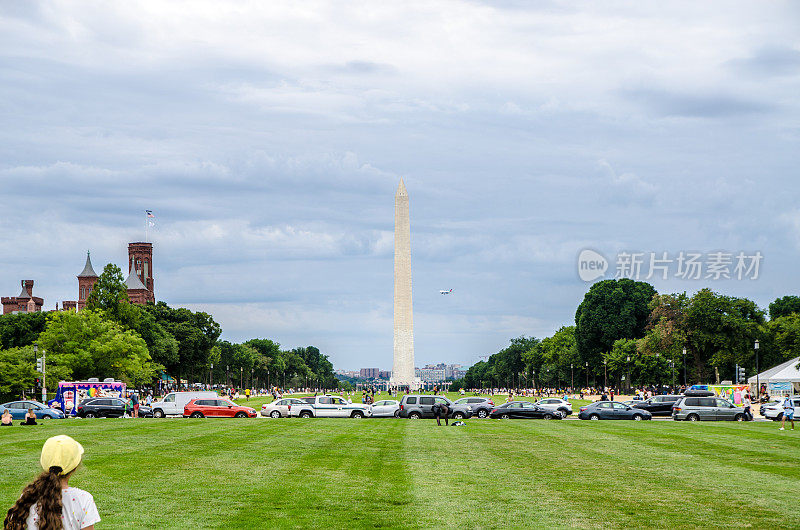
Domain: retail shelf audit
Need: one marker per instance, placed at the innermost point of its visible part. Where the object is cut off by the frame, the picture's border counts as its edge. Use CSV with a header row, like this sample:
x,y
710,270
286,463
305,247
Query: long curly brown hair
x,y
45,492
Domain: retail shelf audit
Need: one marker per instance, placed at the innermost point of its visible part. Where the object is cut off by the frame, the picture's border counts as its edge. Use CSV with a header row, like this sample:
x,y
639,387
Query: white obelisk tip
x,y
401,189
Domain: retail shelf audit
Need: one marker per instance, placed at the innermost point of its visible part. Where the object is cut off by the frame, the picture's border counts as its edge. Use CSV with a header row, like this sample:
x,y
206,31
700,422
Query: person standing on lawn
x,y
788,412
441,410
49,501
135,402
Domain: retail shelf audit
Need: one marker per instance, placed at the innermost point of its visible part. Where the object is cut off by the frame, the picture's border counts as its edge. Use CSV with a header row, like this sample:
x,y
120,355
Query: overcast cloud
x,y
269,139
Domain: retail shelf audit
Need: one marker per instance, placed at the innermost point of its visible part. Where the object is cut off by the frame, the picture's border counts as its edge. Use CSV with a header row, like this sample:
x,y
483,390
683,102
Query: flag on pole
x,y
150,213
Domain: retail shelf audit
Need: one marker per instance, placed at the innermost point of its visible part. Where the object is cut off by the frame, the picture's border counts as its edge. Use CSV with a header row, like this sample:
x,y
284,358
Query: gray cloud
x,y
269,141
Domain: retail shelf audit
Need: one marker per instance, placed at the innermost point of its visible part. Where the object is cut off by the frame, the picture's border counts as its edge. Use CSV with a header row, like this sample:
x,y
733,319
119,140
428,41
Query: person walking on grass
x,y
788,412
49,501
748,415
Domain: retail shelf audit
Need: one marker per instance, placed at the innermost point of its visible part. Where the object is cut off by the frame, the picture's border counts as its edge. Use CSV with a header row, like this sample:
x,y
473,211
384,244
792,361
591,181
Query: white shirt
x,y
79,510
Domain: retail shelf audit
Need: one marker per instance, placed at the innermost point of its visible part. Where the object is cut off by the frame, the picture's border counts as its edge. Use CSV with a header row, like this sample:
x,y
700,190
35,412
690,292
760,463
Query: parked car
x,y
525,409
217,408
18,409
612,410
174,402
387,408
561,405
774,409
329,407
416,406
108,408
706,409
279,408
658,405
772,402
480,406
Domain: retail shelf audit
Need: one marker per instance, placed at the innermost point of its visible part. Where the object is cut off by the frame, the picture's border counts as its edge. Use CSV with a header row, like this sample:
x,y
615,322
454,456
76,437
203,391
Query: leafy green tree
x,y
17,370
784,306
557,354
109,292
720,332
196,334
85,345
610,310
781,340
21,329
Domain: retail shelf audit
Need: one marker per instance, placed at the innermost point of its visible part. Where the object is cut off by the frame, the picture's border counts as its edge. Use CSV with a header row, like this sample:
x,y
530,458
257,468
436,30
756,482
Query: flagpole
x,y
145,226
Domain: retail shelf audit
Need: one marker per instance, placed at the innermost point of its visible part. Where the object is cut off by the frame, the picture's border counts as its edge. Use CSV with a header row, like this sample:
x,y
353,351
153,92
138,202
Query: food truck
x,y
70,394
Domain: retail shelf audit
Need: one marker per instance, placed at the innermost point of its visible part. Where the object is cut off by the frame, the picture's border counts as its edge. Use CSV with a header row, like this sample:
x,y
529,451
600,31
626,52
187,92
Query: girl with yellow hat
x,y
49,502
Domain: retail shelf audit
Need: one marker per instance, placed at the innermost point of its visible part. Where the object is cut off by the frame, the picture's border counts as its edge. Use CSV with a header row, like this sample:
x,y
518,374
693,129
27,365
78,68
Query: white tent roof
x,y
767,375
790,373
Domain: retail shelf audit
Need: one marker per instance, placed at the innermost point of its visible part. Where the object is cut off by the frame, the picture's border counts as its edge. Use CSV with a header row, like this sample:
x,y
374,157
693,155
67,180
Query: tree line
x,y
114,338
627,334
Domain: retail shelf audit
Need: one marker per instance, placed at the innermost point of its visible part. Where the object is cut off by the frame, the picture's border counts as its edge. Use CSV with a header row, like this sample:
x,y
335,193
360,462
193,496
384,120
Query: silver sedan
x,y
386,409
279,408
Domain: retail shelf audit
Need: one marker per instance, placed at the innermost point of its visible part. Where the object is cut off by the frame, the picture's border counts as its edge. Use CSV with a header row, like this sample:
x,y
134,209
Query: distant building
x,y
370,373
385,374
139,283
430,375
25,302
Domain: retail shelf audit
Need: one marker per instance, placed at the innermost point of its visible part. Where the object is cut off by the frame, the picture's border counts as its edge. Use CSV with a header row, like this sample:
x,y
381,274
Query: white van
x,y
173,403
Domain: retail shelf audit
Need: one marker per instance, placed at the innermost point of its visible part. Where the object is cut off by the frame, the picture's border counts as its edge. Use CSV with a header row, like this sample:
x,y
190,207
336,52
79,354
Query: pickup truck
x,y
328,407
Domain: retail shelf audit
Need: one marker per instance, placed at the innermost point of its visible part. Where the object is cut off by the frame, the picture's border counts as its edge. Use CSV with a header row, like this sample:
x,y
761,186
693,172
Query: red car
x,y
216,408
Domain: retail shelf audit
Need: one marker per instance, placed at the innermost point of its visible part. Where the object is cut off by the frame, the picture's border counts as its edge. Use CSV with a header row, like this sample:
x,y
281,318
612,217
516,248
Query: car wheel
x,y
564,412
158,413
305,414
414,416
275,414
594,417
739,417
779,417
693,417
397,413
46,417
196,415
548,417
458,416
357,414
482,413
90,415
637,417
504,416
240,415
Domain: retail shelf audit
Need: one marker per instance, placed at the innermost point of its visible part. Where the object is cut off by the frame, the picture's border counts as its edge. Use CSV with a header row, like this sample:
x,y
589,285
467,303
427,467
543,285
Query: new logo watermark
x,y
685,265
591,265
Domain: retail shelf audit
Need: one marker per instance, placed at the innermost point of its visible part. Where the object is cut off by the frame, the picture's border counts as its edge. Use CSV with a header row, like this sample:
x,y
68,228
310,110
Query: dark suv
x,y
657,405
108,408
416,406
480,406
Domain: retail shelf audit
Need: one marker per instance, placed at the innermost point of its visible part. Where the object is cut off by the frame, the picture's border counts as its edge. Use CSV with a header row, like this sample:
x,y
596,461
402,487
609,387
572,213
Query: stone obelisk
x,y
403,370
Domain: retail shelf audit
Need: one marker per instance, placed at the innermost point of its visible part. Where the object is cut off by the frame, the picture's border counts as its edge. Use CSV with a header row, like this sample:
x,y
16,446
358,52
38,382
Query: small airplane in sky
x,y
445,292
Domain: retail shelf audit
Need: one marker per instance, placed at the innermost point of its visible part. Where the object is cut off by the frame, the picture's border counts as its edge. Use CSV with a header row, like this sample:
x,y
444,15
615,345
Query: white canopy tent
x,y
782,379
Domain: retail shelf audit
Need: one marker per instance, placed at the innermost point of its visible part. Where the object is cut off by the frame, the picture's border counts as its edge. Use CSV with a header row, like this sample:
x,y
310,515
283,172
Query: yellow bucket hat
x,y
61,451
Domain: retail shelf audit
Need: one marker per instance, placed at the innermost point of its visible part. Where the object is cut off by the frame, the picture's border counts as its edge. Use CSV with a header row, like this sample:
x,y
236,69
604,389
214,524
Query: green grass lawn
x,y
343,473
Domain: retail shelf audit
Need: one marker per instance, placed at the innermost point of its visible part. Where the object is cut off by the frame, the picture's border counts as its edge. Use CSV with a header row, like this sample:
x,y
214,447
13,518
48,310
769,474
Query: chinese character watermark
x,y
685,265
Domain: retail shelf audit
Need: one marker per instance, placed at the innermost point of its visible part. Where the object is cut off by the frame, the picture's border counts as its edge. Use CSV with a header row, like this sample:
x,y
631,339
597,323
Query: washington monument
x,y
403,369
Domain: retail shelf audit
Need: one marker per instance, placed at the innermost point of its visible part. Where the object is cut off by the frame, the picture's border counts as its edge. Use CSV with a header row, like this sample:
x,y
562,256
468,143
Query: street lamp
x,y
587,376
241,377
211,375
572,383
605,375
533,377
684,367
629,372
758,386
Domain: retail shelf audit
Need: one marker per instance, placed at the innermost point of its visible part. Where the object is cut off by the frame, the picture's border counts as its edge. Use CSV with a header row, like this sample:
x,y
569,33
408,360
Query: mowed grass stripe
x,y
343,473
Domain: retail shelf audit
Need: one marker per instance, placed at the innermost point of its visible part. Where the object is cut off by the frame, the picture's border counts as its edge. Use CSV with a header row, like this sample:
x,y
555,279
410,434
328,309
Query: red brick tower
x,y
86,280
140,260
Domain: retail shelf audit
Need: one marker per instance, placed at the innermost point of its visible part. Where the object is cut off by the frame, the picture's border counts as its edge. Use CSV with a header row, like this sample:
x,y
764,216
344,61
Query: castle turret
x,y
86,280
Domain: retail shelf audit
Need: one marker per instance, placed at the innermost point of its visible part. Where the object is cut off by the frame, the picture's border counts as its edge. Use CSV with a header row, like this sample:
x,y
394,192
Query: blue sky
x,y
269,138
